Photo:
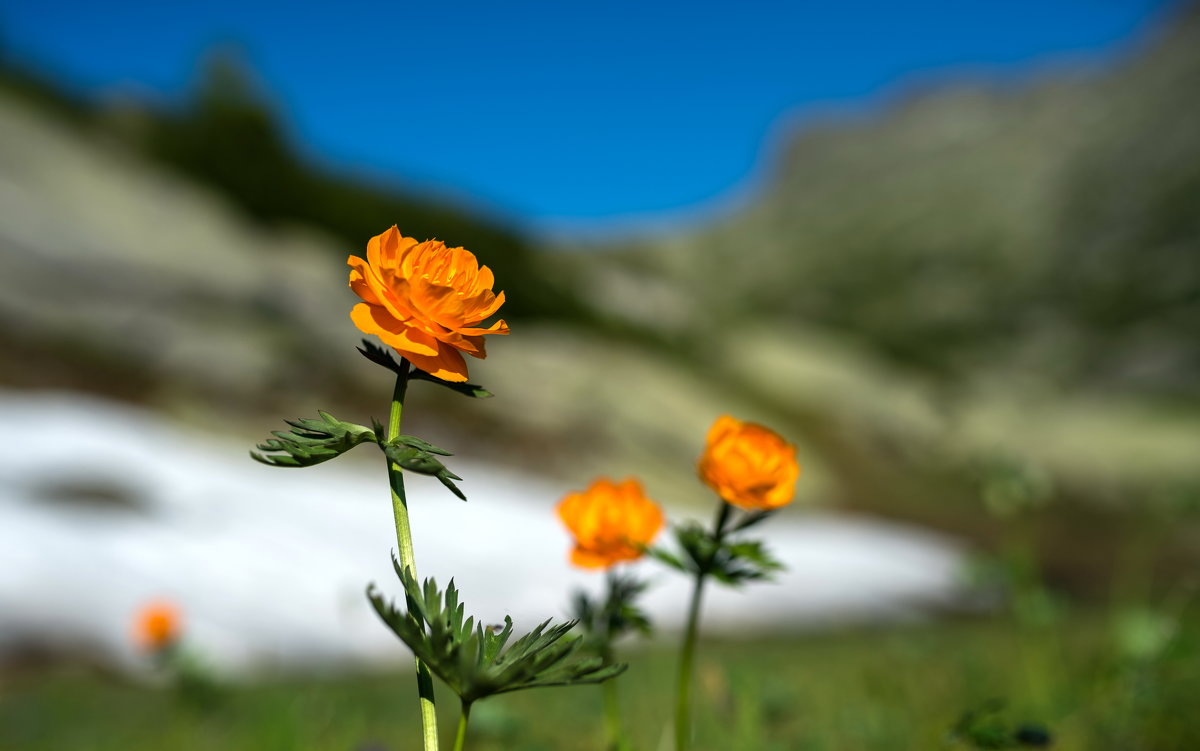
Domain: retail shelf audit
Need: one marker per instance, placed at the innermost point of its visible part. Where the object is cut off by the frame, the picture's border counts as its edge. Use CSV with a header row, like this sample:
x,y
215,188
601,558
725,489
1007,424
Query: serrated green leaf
x,y
496,640
451,486
739,562
420,456
420,444
732,562
470,657
312,441
665,556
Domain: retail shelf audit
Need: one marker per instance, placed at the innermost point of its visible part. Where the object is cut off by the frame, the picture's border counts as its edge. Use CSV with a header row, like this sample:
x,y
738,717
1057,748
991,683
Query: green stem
x,y
686,657
461,737
723,512
613,736
612,715
407,557
687,653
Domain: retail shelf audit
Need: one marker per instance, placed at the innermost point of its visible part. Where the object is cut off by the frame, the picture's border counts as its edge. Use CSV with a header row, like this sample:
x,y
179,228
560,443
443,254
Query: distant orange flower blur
x,y
748,465
425,300
158,625
611,522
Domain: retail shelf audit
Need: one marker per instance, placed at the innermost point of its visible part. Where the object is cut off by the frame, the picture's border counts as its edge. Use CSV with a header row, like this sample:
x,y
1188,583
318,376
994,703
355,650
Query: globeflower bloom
x,y
748,465
611,522
425,300
157,626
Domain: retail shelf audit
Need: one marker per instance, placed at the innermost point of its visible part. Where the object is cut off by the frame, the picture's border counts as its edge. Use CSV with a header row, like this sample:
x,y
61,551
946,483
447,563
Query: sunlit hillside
x,y
1045,227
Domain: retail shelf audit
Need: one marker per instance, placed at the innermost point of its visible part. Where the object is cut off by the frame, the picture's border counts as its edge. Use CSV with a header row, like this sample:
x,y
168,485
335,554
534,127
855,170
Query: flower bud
x,y
748,465
157,626
611,522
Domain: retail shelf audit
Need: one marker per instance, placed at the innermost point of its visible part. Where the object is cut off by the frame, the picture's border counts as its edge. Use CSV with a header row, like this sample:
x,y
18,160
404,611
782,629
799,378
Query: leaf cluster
x,y
606,620
731,562
476,660
311,442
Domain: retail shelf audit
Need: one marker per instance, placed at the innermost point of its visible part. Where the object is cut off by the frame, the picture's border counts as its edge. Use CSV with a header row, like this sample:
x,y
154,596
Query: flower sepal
x,y
382,357
751,519
476,660
312,441
417,455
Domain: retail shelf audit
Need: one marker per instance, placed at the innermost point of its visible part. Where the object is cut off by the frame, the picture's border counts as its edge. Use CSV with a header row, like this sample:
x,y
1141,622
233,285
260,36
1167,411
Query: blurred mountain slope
x,y
1048,226
120,278
229,137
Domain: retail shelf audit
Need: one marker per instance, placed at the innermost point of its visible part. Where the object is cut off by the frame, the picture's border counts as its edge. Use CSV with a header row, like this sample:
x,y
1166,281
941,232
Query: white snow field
x,y
269,565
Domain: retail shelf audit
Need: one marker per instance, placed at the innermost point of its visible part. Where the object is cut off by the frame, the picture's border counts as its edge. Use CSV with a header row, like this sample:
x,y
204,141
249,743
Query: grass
x,y
896,688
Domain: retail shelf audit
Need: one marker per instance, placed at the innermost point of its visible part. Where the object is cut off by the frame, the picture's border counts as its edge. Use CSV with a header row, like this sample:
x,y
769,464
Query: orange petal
x,y
419,257
448,364
385,250
472,345
482,306
484,279
359,271
393,297
724,425
499,327
585,558
408,341
568,509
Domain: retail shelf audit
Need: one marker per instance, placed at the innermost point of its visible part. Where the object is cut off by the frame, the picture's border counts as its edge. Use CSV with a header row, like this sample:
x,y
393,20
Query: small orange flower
x,y
611,522
748,465
425,301
157,626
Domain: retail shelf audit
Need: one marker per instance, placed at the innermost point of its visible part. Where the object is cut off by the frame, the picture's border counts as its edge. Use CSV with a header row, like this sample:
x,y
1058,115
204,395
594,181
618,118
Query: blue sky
x,y
565,114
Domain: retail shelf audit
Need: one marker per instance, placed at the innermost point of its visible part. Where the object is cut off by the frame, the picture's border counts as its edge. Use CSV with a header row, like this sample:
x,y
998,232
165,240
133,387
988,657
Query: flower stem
x,y
461,737
614,735
687,653
686,657
407,557
612,715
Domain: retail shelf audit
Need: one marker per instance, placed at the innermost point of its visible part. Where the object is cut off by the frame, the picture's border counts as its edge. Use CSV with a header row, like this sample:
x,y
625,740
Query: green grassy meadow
x,y
1093,681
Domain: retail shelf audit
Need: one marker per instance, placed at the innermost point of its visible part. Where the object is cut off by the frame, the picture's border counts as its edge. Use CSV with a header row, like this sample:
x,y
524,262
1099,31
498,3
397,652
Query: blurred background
x,y
949,250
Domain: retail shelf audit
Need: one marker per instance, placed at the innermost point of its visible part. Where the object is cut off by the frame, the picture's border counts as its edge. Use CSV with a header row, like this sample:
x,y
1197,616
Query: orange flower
x,y
748,465
425,300
611,522
157,626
